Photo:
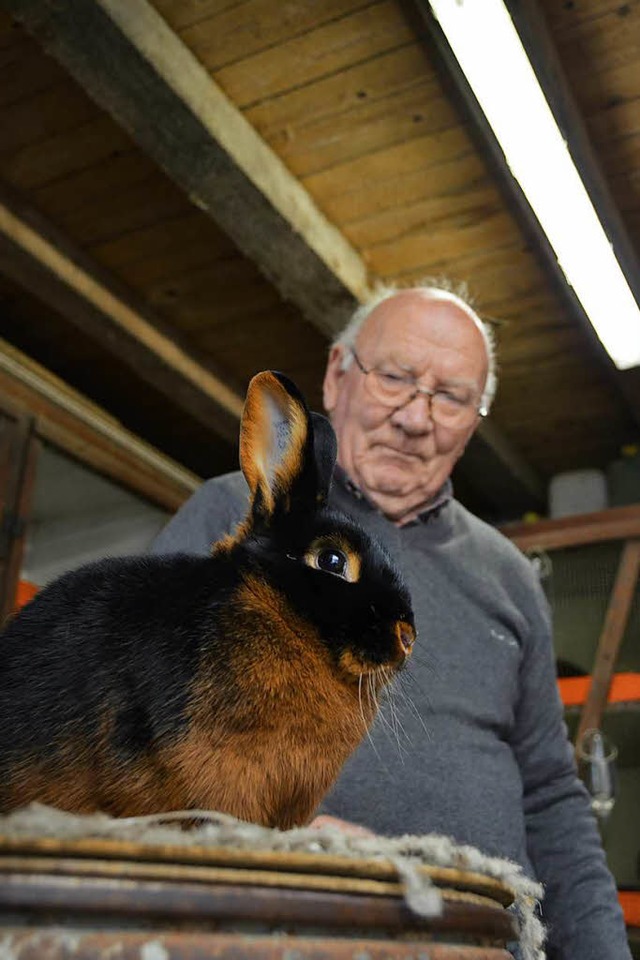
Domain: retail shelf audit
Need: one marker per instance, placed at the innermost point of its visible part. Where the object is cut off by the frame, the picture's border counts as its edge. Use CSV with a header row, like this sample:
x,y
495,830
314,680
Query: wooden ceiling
x,y
195,190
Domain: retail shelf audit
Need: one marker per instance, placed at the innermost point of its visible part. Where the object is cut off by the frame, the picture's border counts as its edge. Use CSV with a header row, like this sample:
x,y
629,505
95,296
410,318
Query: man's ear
x,y
332,378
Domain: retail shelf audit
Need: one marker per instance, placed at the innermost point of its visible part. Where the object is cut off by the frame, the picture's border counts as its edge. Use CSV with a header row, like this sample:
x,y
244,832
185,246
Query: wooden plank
x,y
91,185
427,250
35,254
242,29
622,159
524,309
606,41
80,428
206,327
330,48
617,523
458,269
65,153
625,190
404,159
563,17
272,339
24,71
618,121
464,204
341,95
405,114
510,278
613,631
601,90
57,109
543,337
162,251
98,215
595,439
128,59
510,267
432,183
184,13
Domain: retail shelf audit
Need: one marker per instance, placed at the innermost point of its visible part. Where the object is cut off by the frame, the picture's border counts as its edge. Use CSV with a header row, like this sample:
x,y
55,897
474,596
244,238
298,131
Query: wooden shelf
x,y
617,523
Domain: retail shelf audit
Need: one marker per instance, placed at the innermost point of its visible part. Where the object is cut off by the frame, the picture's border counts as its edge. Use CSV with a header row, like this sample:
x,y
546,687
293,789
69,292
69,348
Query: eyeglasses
x,y
454,408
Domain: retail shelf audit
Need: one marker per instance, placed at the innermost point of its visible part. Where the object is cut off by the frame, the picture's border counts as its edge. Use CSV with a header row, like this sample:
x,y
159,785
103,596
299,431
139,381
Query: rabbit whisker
x,y
393,710
364,722
424,658
408,700
394,724
391,726
372,690
394,735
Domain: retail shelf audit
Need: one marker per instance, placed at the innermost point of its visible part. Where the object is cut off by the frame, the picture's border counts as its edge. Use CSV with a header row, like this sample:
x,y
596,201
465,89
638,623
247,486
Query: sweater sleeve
x,y
213,511
581,910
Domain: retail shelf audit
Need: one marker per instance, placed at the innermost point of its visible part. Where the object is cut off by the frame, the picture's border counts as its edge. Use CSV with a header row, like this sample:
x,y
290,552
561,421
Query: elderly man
x,y
481,754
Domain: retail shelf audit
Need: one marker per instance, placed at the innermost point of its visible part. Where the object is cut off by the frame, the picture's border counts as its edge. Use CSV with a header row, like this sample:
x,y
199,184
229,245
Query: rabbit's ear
x,y
325,447
286,466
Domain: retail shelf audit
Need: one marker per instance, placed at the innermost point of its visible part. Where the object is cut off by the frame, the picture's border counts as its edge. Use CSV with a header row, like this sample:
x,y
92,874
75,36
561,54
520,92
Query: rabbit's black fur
x,y
232,682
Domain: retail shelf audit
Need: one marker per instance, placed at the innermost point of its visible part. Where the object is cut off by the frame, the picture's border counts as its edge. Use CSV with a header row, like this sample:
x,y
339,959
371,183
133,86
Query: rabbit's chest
x,y
273,764
268,743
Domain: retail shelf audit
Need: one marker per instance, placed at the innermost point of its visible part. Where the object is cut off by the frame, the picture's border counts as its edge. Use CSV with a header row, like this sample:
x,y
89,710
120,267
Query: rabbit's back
x,y
97,670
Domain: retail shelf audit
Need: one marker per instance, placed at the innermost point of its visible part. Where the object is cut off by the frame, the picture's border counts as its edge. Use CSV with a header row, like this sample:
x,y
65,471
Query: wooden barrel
x,y
85,899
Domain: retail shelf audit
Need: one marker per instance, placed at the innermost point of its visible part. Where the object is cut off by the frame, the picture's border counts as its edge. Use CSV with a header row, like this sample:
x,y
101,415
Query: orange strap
x,y
630,903
624,687
26,591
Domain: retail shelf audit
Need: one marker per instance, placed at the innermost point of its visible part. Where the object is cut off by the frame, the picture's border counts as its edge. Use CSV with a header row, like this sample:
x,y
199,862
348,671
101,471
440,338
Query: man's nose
x,y
415,416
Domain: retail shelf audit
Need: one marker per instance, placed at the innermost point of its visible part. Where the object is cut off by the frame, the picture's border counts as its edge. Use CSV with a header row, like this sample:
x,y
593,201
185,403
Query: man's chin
x,y
388,480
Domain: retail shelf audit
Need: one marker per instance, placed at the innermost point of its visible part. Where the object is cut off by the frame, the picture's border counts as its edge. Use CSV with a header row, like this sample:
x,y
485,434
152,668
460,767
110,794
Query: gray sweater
x,y
481,751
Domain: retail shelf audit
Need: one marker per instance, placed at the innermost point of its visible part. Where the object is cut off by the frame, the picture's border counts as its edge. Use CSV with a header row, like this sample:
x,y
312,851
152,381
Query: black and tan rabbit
x,y
232,682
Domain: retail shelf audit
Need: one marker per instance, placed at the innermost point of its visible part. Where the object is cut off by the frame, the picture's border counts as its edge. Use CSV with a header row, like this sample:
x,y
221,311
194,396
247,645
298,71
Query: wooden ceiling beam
x,y
131,63
540,48
37,256
67,419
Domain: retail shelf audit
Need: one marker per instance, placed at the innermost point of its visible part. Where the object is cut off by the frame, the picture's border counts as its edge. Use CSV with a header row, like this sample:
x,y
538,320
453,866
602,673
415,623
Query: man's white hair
x,y
458,294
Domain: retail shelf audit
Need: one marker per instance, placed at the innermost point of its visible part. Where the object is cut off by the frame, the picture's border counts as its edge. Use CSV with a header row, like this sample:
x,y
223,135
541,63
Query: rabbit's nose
x,y
406,636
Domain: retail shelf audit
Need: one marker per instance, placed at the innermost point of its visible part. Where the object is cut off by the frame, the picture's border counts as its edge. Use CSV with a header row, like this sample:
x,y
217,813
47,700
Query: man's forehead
x,y
415,316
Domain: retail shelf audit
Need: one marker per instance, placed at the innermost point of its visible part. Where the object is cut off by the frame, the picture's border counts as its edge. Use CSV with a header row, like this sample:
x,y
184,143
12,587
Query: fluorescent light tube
x,y
489,51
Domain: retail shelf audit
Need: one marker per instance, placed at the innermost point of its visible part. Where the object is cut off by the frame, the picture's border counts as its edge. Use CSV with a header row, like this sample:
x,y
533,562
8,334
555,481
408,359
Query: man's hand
x,y
343,825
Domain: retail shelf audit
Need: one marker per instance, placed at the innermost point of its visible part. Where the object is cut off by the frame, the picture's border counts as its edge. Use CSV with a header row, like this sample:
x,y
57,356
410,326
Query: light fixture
x,y
490,53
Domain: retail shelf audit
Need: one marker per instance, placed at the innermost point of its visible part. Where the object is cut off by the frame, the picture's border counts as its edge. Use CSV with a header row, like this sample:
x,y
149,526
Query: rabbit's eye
x,y
332,561
334,555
